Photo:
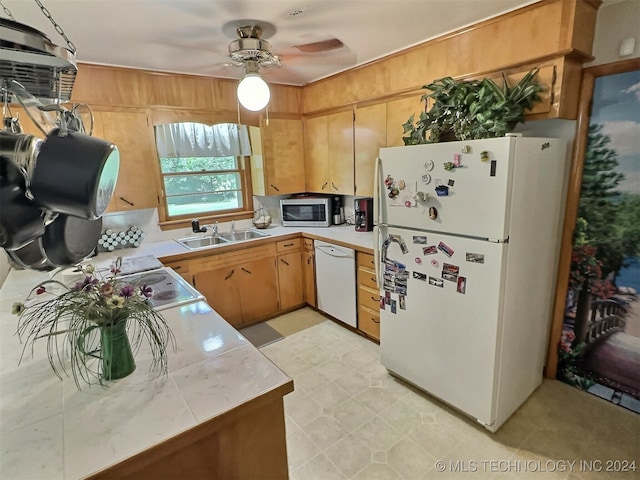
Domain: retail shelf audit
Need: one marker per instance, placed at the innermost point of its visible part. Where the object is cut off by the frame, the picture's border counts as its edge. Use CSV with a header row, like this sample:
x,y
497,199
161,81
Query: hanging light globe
x,y
253,92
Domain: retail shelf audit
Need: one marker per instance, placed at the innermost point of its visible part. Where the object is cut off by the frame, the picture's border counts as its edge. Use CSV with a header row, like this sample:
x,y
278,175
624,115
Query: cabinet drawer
x,y
368,297
369,322
179,267
366,260
367,278
288,245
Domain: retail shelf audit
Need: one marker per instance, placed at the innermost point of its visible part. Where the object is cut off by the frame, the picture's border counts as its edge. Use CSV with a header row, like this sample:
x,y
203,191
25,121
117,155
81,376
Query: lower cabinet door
x,y
290,280
220,287
257,282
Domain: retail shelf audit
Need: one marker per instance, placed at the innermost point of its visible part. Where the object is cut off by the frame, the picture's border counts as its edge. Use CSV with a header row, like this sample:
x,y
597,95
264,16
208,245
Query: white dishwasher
x,y
336,281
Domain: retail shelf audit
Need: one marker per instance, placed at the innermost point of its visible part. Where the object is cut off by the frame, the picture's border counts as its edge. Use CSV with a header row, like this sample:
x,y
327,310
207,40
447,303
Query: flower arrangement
x,y
80,322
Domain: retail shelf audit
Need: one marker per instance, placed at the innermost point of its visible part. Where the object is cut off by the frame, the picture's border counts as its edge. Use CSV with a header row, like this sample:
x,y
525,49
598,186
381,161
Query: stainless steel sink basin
x,y
242,235
193,243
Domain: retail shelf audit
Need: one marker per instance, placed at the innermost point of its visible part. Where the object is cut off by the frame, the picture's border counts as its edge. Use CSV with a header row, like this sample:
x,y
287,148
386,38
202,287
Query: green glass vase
x,y
115,351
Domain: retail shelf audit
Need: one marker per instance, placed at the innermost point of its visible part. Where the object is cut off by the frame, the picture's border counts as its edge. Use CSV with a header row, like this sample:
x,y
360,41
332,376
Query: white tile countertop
x,y
52,430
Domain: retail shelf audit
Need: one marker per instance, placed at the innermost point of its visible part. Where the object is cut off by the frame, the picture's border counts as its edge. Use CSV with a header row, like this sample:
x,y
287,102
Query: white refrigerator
x,y
467,240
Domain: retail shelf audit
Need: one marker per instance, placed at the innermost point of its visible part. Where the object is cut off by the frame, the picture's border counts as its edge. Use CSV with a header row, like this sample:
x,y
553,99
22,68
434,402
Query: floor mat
x,y
261,334
293,322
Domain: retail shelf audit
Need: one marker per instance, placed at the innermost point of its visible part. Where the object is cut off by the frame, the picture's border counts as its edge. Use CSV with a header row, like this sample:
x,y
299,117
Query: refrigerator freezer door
x,y
443,334
478,194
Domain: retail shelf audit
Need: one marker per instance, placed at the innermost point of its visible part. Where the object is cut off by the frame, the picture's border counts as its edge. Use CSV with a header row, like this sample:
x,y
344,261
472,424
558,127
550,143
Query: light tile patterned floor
x,y
349,419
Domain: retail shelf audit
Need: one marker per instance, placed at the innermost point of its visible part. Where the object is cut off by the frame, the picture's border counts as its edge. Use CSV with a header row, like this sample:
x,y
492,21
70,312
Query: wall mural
x,y
600,346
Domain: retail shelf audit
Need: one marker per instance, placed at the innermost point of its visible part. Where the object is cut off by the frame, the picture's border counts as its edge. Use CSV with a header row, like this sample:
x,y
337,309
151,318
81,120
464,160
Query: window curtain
x,y
184,140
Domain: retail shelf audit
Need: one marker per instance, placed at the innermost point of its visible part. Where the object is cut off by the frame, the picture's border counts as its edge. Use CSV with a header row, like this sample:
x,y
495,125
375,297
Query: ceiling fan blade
x,y
320,46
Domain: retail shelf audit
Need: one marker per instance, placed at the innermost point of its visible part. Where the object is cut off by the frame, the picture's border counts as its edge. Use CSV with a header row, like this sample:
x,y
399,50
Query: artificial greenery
x,y
65,319
471,109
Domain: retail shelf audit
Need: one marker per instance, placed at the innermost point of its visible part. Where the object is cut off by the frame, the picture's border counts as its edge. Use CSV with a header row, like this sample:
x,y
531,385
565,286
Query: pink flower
x,y
127,291
106,290
146,290
40,290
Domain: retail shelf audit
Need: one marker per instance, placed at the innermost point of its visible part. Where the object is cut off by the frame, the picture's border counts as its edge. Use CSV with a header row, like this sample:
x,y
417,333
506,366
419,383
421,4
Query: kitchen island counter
x,y
145,425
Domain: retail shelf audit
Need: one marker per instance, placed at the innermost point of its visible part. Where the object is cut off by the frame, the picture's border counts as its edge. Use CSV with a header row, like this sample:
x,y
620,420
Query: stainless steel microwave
x,y
306,212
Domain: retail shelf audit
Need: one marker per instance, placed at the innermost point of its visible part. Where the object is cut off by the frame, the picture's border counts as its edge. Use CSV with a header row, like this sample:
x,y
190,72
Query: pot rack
x,y
28,56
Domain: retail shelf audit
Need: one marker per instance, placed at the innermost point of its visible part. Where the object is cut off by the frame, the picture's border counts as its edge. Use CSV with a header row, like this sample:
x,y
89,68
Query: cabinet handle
x,y
230,275
285,262
274,187
127,201
245,270
374,320
324,185
375,299
334,186
372,279
177,267
309,261
289,244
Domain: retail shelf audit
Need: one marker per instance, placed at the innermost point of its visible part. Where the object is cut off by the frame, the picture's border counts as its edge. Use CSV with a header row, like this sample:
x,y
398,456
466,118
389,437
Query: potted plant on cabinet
x,y
471,109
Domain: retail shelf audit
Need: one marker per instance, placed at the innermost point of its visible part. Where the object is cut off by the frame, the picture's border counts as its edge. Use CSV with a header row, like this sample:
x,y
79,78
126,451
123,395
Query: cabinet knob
x,y
274,187
324,185
127,201
245,270
284,261
230,275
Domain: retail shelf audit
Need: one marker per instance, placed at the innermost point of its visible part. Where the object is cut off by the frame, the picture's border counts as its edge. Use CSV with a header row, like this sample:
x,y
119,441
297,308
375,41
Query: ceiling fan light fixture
x,y
253,92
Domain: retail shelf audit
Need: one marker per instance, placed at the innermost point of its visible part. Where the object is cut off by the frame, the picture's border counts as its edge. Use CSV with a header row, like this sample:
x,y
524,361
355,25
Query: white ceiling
x,y
187,36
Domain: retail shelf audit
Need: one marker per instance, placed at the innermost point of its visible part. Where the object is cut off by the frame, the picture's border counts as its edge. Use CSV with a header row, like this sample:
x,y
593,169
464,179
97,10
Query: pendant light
x,y
253,92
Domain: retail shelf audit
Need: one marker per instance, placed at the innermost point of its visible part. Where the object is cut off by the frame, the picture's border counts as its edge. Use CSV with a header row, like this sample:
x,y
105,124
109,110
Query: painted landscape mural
x,y
600,347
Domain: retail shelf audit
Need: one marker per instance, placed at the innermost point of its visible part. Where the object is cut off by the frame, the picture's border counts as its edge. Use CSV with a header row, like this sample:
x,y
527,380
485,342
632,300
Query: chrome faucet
x,y
195,226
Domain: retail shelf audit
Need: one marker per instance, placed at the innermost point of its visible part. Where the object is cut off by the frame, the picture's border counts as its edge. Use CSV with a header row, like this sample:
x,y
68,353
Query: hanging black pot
x,y
21,221
75,174
66,241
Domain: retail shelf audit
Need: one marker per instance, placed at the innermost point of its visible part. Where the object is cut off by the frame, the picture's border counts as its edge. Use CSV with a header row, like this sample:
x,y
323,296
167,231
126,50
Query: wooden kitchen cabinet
x,y
368,296
137,179
309,272
328,144
289,263
282,157
370,134
244,293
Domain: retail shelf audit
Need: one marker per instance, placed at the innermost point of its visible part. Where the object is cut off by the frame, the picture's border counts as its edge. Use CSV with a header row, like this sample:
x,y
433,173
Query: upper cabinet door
x,y
316,155
370,134
340,132
398,112
137,179
283,156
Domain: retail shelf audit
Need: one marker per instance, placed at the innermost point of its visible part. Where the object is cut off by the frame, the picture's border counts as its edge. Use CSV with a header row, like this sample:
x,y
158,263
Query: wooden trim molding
x,y
573,199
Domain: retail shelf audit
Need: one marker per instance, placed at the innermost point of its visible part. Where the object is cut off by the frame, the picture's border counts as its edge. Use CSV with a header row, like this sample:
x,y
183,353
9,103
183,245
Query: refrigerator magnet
x,y
474,257
420,239
418,260
457,160
435,263
428,165
420,276
450,270
433,214
430,250
426,178
484,156
436,282
382,302
466,149
462,285
449,166
387,297
403,302
446,249
442,190
393,306
451,182
401,184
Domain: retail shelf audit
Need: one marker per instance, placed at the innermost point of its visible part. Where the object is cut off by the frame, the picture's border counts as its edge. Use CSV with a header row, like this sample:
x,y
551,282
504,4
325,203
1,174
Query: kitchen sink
x,y
193,243
242,235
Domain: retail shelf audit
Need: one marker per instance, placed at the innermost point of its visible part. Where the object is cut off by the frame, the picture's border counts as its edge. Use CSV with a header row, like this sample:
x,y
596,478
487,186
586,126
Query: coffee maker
x,y
338,211
363,214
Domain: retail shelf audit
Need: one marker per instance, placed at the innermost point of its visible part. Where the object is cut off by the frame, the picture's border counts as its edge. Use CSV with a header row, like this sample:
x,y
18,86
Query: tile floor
x,y
349,419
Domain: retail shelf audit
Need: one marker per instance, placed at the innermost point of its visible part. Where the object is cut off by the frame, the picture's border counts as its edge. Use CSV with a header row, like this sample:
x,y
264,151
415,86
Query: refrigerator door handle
x,y
376,253
376,192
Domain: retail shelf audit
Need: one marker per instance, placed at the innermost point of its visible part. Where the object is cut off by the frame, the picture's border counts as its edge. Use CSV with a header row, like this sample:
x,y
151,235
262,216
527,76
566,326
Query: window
x,y
203,169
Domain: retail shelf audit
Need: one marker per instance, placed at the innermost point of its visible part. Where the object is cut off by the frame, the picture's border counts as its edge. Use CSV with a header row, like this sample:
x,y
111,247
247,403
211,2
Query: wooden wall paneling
x,y
524,36
285,99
